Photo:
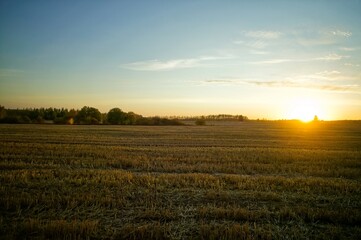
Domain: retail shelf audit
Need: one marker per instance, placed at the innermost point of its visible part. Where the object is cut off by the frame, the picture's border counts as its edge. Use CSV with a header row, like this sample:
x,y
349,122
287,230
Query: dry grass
x,y
253,180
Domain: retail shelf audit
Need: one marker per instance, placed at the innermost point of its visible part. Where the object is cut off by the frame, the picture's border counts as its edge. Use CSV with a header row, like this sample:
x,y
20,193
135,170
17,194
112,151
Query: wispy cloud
x,y
304,37
263,34
324,81
322,77
222,81
341,33
274,61
258,44
352,65
348,49
320,37
293,84
259,52
258,40
255,44
330,57
157,65
327,76
315,41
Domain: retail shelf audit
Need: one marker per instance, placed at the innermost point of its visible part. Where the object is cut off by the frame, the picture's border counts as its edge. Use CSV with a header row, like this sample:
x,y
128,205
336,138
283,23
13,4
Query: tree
x,y
49,114
132,118
2,112
200,121
88,115
116,116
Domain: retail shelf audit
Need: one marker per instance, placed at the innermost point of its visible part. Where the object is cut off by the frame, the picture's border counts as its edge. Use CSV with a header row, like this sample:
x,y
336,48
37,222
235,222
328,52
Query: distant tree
x,y
88,115
49,114
71,113
116,116
10,119
39,119
61,120
132,118
25,119
143,121
156,121
33,114
315,119
2,111
200,121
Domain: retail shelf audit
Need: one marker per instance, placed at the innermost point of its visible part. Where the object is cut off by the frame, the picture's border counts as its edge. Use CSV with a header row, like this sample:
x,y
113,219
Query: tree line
x,y
218,117
86,115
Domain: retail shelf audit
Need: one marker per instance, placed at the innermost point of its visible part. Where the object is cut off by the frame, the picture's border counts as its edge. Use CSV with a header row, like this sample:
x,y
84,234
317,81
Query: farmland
x,y
247,180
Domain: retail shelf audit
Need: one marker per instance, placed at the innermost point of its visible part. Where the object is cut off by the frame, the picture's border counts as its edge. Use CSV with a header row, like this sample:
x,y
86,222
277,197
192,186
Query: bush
x,y
9,120
200,122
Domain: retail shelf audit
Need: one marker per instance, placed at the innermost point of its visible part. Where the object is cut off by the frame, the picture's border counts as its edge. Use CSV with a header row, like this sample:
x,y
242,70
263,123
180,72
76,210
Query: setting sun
x,y
304,110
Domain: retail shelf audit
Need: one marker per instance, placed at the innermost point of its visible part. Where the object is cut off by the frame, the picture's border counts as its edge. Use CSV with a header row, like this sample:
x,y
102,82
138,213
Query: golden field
x,y
246,180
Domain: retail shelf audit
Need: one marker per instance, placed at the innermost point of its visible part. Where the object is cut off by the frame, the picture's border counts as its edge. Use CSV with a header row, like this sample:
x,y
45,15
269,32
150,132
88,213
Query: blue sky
x,y
263,59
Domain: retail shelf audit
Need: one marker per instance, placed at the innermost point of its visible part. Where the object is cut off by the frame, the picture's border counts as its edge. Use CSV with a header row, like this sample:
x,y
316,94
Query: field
x,y
250,180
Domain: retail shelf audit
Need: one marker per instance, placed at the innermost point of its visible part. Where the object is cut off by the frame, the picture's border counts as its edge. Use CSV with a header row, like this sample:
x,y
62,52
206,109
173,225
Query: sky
x,y
263,59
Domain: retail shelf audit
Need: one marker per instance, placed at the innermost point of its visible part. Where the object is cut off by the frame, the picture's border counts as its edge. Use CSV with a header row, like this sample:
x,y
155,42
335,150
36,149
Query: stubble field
x,y
251,180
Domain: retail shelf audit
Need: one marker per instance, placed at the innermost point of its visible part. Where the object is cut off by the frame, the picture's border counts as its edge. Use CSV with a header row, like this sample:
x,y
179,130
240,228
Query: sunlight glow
x,y
304,109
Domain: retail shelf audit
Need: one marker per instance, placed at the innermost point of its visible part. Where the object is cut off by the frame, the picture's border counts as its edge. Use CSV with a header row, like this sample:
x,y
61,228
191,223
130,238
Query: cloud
x,y
320,37
352,65
294,84
258,52
324,76
274,61
327,76
257,44
317,81
221,81
315,41
325,80
348,49
330,57
304,37
263,34
341,33
157,65
258,39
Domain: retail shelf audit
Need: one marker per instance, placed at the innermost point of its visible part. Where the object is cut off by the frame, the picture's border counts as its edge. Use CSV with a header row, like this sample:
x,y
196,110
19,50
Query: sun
x,y
304,110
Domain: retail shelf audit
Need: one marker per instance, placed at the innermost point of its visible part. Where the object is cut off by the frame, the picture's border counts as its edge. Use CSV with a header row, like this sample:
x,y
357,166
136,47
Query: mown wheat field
x,y
250,180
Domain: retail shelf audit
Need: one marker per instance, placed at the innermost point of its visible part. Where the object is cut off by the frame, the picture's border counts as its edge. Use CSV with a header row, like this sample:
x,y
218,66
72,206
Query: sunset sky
x,y
263,59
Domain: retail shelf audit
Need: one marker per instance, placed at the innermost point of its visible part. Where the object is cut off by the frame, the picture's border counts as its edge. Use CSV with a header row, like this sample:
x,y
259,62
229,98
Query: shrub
x,y
200,122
